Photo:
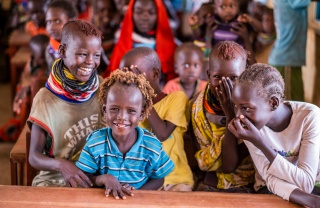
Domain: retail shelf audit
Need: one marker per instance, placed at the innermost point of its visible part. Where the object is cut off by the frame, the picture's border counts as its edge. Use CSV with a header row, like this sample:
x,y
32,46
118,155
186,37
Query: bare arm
x,y
38,160
161,128
152,184
303,198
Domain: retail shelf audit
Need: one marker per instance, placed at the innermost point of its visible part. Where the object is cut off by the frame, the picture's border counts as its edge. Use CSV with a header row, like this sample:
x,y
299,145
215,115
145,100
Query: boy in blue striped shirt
x,y
123,156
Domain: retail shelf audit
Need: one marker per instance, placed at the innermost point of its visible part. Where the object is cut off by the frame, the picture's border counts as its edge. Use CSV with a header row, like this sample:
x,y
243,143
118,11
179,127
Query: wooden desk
x,y
27,196
19,38
18,159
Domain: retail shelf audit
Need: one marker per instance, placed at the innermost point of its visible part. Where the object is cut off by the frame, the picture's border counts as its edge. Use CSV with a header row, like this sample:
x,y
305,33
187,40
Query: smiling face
x,y
250,104
219,68
82,55
227,10
188,65
144,15
55,19
123,110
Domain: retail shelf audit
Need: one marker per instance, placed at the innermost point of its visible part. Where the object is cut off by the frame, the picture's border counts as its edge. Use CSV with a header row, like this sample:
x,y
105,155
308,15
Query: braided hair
x,y
229,50
266,78
128,78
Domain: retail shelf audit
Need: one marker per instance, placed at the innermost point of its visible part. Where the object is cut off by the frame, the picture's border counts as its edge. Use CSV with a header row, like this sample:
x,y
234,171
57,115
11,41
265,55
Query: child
x,y
222,155
36,66
67,109
188,65
146,24
167,119
57,14
104,12
283,137
124,155
37,24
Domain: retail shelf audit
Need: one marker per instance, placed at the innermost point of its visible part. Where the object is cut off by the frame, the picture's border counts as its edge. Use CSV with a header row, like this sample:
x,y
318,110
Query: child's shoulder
x,y
177,95
97,136
149,140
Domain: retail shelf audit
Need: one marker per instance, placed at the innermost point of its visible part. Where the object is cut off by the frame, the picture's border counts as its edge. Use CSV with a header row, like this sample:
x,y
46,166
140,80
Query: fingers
x,y
71,182
107,192
84,180
127,189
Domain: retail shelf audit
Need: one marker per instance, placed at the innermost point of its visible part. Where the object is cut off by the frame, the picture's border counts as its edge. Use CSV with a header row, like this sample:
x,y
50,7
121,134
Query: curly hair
x,y
266,78
76,27
128,78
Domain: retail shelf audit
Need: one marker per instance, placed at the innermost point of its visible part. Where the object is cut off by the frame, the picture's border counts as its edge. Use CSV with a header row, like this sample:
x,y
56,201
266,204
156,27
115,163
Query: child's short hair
x,y
266,78
128,78
76,27
151,57
228,50
189,46
67,6
40,39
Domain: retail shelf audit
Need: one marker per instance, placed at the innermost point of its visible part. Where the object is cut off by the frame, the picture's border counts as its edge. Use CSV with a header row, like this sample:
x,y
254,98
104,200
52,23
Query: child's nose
x,y
89,59
122,115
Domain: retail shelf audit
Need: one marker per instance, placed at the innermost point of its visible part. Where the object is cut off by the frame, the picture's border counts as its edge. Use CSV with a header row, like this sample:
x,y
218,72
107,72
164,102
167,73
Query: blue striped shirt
x,y
146,158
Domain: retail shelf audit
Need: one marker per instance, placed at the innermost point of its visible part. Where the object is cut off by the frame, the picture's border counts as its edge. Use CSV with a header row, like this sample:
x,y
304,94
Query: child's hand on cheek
x,y
224,97
113,185
242,128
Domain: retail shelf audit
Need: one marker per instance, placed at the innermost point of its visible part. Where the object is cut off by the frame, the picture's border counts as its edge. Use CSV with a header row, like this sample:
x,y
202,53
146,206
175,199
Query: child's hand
x,y
240,29
193,20
244,18
114,186
224,97
212,25
242,128
73,175
23,93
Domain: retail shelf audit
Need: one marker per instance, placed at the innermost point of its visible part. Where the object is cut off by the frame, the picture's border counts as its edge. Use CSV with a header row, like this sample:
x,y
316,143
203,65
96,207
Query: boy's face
x,y
104,13
268,23
188,65
81,55
123,110
144,15
55,19
36,13
250,104
227,10
38,53
219,68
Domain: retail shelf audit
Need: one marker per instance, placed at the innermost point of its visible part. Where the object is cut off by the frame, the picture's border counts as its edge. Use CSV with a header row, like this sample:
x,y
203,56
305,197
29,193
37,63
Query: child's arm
x,y
161,128
193,21
72,175
256,24
242,30
303,198
152,184
112,185
232,153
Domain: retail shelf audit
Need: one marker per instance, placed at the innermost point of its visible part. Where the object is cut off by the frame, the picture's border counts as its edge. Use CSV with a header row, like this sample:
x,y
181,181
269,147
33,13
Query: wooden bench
x,y
28,196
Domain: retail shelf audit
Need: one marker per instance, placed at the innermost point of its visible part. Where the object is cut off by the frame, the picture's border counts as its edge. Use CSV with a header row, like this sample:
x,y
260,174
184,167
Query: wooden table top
x,y
19,38
27,196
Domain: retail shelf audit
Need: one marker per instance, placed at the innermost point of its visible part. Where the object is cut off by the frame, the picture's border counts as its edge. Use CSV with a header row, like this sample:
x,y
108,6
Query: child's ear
x,y
274,103
142,115
176,69
62,50
104,109
208,74
156,73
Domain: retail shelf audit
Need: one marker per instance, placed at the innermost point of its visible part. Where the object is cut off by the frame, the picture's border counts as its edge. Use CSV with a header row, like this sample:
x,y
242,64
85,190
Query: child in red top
x,y
146,24
36,25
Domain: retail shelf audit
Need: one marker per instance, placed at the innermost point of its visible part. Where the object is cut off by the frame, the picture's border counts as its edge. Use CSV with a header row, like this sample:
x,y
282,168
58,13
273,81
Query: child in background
x,y
104,12
57,14
67,109
123,147
223,156
36,66
146,24
283,137
197,23
37,24
188,63
167,119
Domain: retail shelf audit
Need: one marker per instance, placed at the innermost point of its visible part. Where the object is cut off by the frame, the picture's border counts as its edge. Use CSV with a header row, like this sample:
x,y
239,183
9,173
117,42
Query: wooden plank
x,y
26,196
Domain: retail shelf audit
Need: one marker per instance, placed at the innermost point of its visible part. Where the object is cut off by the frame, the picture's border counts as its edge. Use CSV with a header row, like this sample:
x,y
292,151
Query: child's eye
x,y
131,111
217,77
48,22
235,106
97,55
246,109
223,7
233,78
186,65
114,109
57,21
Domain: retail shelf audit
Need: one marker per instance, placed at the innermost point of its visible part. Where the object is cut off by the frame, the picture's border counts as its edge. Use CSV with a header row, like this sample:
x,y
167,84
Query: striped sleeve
x,y
162,166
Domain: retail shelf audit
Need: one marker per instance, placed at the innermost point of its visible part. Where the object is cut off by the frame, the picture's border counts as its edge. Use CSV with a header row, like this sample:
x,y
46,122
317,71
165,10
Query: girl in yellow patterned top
x,y
224,158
